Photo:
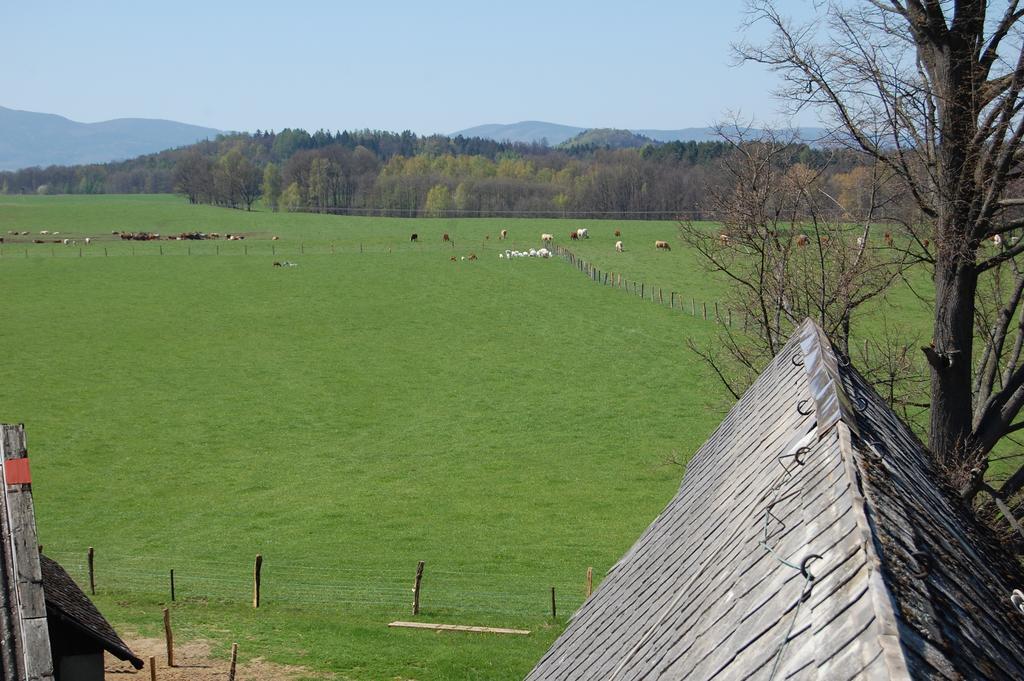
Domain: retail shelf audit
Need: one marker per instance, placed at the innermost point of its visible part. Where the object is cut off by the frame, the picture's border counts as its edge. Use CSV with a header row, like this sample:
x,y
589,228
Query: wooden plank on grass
x,y
458,627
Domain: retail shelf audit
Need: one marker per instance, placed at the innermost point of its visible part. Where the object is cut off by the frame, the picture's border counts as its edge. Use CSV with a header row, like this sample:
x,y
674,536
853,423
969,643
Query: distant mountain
x,y
555,134
38,139
608,138
526,132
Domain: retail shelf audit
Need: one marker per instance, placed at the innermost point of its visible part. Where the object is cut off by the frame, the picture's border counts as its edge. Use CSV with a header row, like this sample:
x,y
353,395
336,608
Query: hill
x,y
554,134
607,138
526,132
30,139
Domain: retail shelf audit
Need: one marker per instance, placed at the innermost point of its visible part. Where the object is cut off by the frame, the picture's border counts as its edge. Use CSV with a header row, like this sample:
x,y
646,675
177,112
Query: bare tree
x,y
932,90
790,252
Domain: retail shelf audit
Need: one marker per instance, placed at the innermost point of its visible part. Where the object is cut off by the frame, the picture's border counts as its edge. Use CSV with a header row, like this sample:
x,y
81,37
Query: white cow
x,y
618,247
547,238
582,233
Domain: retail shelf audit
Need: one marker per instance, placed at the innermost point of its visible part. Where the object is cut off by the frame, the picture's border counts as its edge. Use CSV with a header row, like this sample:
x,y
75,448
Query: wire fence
x,y
675,300
315,587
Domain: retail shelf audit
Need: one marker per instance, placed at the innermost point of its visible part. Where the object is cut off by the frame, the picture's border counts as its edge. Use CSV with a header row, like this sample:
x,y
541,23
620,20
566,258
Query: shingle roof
x,y
810,469
68,602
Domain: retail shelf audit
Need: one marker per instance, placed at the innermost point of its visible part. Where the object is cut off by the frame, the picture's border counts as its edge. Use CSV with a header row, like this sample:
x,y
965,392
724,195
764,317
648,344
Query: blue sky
x,y
424,66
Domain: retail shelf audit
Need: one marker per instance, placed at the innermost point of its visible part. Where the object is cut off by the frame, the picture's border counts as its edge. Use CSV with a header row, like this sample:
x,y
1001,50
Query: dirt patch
x,y
193,662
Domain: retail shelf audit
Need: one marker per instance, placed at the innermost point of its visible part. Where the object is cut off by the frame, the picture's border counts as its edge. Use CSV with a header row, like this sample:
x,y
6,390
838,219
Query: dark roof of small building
x,y
809,539
64,599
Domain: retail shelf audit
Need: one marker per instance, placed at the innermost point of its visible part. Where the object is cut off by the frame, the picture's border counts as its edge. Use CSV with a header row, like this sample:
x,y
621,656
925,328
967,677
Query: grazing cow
x,y
445,238
38,241
723,239
88,240
472,256
503,235
802,240
574,235
67,241
277,264
45,231
582,233
618,233
414,237
888,238
618,247
547,238
997,240
662,244
275,238
453,259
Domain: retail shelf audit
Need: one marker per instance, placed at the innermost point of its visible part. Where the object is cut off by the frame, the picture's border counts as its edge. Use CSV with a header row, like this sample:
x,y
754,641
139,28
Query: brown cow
x,y
618,233
445,238
802,240
574,235
662,244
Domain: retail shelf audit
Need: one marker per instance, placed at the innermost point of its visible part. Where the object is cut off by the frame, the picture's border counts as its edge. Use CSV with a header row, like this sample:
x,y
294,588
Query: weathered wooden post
x,y
693,307
172,585
416,588
554,612
234,662
257,568
718,317
590,581
152,669
169,637
705,307
92,572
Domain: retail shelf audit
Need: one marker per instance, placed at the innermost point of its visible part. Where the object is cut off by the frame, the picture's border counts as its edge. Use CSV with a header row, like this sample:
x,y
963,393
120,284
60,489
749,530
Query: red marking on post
x,y
16,472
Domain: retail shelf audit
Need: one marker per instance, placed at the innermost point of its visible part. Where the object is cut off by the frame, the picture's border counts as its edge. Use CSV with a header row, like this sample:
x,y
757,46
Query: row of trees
x,y
406,175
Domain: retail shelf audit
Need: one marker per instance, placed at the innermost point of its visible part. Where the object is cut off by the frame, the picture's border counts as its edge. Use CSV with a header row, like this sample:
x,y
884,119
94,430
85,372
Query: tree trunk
x,y
950,360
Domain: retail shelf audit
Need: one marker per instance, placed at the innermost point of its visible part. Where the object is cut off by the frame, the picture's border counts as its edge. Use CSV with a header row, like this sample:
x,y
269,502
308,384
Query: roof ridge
x,y
822,366
834,409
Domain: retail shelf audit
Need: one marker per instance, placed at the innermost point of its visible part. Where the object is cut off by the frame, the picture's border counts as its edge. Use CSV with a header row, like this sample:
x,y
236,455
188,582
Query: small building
x,y
809,539
49,629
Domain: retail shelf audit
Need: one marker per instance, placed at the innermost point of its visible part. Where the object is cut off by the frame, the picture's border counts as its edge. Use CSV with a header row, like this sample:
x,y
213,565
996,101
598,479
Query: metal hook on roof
x,y
843,360
1017,598
923,560
797,359
800,408
860,403
809,584
807,561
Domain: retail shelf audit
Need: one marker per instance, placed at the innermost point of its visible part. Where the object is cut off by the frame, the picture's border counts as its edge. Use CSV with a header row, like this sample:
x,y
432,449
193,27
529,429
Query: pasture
x,y
509,423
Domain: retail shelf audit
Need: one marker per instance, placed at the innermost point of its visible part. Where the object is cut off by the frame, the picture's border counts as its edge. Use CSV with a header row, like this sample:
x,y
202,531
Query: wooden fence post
x,y
693,307
416,588
672,300
718,317
169,637
554,612
234,661
92,572
590,581
642,284
257,568
729,313
152,669
172,585
705,306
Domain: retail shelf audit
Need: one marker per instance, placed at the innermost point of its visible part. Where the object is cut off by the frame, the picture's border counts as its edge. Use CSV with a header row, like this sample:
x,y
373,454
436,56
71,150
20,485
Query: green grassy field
x,y
506,422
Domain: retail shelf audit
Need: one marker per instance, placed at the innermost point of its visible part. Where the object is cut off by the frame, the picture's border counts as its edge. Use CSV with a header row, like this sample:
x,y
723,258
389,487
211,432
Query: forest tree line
x,y
404,174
